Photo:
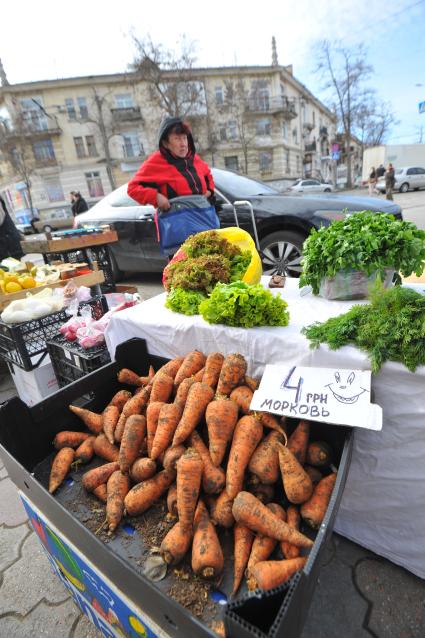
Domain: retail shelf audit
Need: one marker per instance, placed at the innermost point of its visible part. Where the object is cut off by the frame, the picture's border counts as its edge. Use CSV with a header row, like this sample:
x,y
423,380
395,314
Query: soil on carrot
x,y
192,592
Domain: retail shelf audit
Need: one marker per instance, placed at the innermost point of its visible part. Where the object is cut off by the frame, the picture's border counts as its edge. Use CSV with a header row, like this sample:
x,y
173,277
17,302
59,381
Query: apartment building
x,y
91,133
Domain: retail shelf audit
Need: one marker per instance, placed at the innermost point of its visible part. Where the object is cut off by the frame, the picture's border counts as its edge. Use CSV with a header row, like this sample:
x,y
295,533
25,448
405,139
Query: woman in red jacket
x,y
174,170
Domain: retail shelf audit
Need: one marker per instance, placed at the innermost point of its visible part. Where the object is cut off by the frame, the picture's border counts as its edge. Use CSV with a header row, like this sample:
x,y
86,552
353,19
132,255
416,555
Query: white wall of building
x,y
398,154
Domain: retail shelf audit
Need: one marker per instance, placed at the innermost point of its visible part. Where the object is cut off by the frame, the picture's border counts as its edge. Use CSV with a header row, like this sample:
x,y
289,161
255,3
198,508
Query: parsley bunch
x,y
391,327
241,304
363,241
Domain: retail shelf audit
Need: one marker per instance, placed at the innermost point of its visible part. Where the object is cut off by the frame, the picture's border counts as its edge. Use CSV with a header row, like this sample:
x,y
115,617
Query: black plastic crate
x,y
71,361
26,449
24,344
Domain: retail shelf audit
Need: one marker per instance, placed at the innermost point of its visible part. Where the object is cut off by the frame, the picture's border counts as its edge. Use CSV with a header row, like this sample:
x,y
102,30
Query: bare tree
x,y
373,123
237,102
172,83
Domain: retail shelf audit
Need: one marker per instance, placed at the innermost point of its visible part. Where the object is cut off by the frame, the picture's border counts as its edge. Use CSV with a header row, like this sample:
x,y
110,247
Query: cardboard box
x,y
35,385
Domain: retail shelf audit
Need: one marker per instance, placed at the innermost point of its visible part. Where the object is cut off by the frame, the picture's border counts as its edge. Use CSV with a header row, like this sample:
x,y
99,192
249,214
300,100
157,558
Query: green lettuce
x,y
184,301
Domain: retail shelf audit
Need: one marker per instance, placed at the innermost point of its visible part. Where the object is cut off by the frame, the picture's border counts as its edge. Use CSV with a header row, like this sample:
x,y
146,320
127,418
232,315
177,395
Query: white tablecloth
x,y
383,505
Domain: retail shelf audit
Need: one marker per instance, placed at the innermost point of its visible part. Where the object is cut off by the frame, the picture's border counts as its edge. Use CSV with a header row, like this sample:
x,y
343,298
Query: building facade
x,y
90,134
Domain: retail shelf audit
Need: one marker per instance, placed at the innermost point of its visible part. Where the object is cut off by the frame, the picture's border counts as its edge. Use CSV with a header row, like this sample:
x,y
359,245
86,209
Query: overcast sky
x,y
51,39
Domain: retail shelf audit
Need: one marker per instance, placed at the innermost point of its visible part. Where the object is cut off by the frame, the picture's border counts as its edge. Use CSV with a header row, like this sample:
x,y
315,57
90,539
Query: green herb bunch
x,y
391,327
244,305
199,273
364,241
209,242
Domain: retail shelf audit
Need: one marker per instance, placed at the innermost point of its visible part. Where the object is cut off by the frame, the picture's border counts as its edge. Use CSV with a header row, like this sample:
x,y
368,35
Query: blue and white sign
x,y
421,106
336,155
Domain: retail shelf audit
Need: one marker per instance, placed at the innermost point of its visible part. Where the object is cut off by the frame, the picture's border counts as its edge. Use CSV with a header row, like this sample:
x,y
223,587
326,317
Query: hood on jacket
x,y
165,126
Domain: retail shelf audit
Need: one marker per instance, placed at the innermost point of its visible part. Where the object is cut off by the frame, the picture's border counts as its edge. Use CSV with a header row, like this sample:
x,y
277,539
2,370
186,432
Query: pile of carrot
x,y
186,433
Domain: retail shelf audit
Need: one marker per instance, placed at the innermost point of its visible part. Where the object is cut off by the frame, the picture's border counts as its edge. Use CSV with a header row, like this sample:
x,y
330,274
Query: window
x,y
124,101
219,95
223,134
295,136
69,104
265,160
263,127
53,189
260,95
232,130
285,130
411,171
33,114
91,146
314,118
82,105
287,164
94,184
79,147
298,164
420,171
231,163
132,146
43,150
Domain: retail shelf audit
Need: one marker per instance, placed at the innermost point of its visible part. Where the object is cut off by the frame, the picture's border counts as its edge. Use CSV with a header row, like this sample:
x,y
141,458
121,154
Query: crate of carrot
x,y
225,501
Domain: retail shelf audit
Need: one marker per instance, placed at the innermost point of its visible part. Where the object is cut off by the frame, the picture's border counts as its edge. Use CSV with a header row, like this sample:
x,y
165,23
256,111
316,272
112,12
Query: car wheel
x,y
117,274
404,187
47,228
327,190
282,252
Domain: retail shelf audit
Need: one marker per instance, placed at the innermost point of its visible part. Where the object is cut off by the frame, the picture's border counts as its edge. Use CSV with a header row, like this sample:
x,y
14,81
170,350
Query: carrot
x,y
221,417
104,449
263,546
198,398
189,474
272,573
264,462
293,519
93,478
315,474
269,421
213,478
172,500
132,439
296,481
176,543
60,467
85,452
144,494
246,437
243,539
198,376
182,391
172,455
152,414
67,438
249,511
251,383
119,429
110,417
207,555
129,377
137,402
148,378
221,510
314,510
232,374
319,454
191,364
120,399
101,493
92,420
242,396
142,469
162,387
171,367
212,369
116,489
169,417
298,441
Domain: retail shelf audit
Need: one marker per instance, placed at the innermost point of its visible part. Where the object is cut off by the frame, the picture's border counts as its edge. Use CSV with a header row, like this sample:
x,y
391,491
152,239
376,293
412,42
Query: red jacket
x,y
171,176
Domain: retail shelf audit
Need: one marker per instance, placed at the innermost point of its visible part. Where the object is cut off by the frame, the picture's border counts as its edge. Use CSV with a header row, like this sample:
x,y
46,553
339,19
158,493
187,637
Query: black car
x,y
283,221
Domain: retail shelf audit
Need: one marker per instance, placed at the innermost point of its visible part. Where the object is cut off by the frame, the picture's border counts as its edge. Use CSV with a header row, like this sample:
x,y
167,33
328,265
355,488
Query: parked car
x,y
283,222
406,178
310,186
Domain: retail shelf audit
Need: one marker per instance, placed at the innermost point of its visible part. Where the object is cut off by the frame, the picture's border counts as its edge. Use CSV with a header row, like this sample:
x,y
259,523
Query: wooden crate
x,y
64,244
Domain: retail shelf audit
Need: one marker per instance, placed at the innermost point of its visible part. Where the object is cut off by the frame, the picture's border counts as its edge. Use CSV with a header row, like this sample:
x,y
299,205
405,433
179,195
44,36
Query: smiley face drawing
x,y
345,391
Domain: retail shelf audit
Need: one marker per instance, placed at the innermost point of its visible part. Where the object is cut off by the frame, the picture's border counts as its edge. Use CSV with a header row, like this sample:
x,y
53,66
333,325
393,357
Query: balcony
x,y
273,105
30,130
310,148
46,162
308,126
323,133
127,114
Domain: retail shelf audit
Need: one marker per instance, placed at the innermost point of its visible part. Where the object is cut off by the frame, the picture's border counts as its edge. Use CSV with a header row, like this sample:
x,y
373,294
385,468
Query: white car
x,y
310,186
406,178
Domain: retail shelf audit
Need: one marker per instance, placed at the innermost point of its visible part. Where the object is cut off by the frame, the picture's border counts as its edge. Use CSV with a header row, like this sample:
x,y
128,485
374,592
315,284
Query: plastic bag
x,y
351,284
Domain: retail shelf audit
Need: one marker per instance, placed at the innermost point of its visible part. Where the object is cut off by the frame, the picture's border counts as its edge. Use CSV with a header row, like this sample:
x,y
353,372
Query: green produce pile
x,y
209,258
390,328
241,304
363,241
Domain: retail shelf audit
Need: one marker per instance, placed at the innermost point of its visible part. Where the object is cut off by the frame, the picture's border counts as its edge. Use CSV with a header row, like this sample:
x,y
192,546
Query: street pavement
x,y
358,593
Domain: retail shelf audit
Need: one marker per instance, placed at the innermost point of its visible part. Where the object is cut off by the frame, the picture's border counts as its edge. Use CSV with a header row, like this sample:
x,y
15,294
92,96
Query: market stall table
x,y
383,506
93,246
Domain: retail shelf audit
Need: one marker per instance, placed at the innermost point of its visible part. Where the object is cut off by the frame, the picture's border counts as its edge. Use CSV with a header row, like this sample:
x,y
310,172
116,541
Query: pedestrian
x,y
380,171
389,181
10,238
372,180
79,204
